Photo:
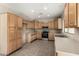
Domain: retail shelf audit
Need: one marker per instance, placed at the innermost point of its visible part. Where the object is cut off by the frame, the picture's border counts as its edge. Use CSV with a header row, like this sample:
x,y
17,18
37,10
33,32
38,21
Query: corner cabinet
x,y
10,33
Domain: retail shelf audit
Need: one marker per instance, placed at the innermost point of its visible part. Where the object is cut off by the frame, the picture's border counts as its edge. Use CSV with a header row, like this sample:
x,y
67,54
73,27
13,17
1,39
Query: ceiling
x,y
33,11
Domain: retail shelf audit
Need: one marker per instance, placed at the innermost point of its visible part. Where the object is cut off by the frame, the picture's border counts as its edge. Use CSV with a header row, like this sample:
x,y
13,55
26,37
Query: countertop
x,y
66,44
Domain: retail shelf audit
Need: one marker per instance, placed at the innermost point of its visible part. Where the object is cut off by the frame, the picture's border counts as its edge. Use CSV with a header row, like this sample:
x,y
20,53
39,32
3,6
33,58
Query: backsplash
x,y
74,36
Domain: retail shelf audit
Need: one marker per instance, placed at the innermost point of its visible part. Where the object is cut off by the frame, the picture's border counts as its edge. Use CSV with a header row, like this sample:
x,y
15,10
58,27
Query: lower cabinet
x,y
11,46
50,35
39,35
31,37
18,38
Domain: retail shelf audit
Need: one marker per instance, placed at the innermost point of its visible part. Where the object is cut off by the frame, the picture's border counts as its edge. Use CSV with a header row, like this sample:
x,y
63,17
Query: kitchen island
x,y
66,46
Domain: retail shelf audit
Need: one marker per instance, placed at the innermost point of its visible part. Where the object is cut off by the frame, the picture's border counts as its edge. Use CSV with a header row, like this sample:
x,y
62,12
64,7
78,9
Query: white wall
x,y
3,34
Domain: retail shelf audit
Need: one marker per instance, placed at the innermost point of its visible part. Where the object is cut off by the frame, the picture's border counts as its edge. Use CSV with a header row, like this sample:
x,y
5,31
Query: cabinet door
x,y
72,14
37,25
40,25
56,24
59,23
18,38
78,15
11,40
19,22
51,25
66,16
11,46
39,35
11,35
11,20
50,36
32,24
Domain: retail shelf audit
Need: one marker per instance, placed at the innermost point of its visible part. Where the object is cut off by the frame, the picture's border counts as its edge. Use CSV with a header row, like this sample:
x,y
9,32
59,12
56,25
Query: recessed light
x,y
38,16
33,11
45,8
48,15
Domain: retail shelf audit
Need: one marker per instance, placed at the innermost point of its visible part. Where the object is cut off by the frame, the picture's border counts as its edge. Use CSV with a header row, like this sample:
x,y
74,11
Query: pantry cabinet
x,y
11,26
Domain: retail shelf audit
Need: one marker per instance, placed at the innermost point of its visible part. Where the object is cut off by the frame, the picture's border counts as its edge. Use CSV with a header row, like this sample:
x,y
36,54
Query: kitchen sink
x,y
61,35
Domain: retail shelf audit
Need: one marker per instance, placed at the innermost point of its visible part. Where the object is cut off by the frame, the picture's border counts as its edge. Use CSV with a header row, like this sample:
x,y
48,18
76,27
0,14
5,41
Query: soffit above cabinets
x,y
33,11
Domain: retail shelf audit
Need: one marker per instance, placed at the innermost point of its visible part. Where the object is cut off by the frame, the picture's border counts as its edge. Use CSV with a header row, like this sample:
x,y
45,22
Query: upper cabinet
x,y
30,24
66,16
51,24
19,22
77,15
37,25
12,20
72,15
58,23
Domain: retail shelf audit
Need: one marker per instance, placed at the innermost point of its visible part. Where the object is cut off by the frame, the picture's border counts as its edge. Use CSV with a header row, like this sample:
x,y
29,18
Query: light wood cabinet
x,y
78,15
37,26
56,24
72,15
39,35
66,24
12,33
30,25
19,22
51,24
41,24
51,35
31,37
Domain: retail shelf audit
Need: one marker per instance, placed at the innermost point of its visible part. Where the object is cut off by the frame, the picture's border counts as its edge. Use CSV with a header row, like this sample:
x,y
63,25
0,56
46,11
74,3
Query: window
x,y
66,29
69,30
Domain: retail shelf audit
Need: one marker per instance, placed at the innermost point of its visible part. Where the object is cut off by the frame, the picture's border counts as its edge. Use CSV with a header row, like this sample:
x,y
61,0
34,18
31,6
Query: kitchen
x,y
60,27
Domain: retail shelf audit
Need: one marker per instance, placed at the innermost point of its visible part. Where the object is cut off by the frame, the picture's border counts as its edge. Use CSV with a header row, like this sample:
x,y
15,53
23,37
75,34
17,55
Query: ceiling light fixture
x,y
33,11
45,8
48,15
38,16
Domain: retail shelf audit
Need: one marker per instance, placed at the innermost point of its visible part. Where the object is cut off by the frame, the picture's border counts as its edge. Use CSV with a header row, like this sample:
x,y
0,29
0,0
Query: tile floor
x,y
36,48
